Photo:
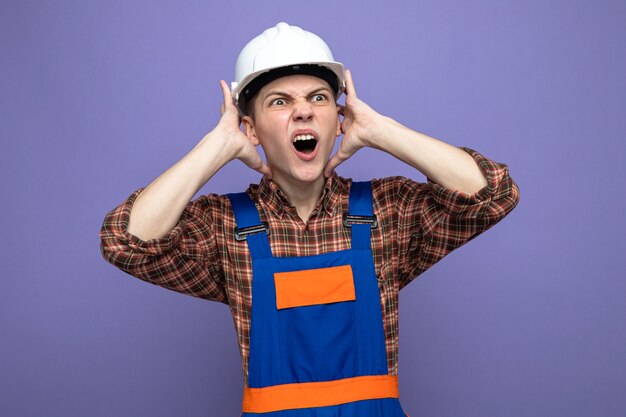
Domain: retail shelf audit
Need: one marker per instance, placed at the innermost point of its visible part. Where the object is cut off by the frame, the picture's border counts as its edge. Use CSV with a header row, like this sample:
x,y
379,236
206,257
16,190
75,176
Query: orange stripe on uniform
x,y
319,394
314,286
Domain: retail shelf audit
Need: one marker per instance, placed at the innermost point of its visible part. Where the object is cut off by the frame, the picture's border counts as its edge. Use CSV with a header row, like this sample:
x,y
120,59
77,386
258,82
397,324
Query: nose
x,y
302,110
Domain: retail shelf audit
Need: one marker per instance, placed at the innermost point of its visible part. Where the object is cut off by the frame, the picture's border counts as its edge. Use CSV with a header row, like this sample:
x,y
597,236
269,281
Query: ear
x,y
249,130
338,131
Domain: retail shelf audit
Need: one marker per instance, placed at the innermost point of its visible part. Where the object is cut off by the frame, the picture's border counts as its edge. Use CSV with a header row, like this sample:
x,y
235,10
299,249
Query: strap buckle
x,y
241,234
350,219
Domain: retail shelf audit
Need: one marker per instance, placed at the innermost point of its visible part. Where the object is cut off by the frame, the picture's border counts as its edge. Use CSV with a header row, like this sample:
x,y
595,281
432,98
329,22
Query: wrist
x,y
383,131
216,149
223,142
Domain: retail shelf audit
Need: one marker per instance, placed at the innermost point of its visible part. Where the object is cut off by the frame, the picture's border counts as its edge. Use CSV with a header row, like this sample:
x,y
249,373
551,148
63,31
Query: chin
x,y
310,179
309,175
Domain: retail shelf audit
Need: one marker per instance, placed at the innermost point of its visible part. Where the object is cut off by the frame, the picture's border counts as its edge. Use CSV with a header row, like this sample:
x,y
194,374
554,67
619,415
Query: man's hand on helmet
x,y
228,127
361,126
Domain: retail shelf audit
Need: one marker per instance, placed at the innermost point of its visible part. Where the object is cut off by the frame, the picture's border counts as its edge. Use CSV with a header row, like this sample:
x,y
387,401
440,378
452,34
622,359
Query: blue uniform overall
x,y
317,342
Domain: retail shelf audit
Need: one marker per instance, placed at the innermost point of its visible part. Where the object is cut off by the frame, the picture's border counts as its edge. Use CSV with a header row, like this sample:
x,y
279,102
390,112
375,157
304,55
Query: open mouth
x,y
305,143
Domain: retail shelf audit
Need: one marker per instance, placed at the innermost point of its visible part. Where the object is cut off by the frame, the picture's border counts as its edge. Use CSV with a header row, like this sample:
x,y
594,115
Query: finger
x,y
255,162
350,90
228,98
262,168
225,89
265,170
333,163
223,106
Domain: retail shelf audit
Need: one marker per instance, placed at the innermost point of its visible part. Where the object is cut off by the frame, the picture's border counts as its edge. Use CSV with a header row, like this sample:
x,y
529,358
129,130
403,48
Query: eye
x,y
319,97
278,102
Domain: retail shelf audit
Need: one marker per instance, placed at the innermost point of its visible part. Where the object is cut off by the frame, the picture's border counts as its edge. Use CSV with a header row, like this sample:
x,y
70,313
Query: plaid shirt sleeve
x,y
434,220
186,260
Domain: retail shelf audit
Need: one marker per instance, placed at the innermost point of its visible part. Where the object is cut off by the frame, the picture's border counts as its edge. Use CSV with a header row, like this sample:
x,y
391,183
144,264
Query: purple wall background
x,y
100,98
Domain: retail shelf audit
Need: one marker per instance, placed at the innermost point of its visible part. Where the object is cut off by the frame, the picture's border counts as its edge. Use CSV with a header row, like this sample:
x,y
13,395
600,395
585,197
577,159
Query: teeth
x,y
304,137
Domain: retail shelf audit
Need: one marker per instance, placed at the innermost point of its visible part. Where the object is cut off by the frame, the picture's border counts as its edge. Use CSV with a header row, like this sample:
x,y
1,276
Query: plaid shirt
x,y
419,223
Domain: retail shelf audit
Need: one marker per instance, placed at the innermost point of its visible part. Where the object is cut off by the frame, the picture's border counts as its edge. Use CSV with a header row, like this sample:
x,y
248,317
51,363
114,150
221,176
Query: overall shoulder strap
x,y
249,226
360,217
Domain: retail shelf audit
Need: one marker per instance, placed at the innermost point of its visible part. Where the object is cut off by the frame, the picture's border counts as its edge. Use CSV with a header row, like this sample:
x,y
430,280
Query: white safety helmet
x,y
279,51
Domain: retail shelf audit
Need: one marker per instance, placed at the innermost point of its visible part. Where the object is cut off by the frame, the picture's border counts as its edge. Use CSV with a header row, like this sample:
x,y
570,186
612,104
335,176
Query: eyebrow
x,y
285,94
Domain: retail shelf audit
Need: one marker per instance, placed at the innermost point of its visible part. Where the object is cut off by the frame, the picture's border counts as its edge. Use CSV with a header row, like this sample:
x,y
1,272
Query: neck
x,y
303,196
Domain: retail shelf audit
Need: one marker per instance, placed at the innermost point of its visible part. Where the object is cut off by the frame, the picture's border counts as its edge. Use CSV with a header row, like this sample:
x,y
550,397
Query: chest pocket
x,y
314,286
316,320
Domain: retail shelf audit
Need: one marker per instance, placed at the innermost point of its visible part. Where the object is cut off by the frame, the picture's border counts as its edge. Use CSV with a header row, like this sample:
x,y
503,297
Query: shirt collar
x,y
276,201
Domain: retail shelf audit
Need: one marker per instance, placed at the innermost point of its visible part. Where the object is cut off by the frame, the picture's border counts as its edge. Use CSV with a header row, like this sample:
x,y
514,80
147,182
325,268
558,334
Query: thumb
x,y
265,170
333,163
255,162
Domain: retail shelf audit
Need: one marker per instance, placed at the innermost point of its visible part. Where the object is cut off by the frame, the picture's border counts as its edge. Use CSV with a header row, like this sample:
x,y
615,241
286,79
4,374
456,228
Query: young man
x,y
310,263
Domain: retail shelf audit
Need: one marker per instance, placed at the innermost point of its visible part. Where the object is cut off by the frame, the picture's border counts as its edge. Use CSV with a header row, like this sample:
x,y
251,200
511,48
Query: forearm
x,y
443,163
159,206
